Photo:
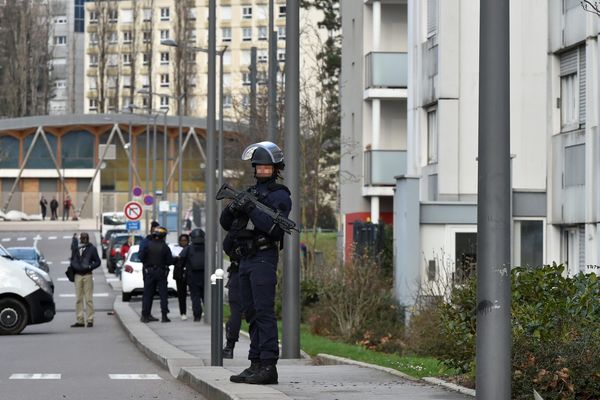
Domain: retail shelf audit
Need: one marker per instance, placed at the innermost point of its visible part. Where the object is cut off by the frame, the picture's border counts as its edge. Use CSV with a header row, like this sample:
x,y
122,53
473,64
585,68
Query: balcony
x,y
386,75
381,166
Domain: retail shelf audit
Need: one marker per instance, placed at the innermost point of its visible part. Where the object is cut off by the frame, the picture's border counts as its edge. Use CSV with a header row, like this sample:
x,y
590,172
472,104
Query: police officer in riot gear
x,y
156,257
192,257
232,327
257,245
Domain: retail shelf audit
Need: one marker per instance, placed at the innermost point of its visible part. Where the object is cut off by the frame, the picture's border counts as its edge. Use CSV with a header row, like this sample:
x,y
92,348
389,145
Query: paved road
x,y
54,361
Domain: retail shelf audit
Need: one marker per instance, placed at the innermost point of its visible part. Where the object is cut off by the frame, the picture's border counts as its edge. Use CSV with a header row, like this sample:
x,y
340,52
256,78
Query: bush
x,y
555,328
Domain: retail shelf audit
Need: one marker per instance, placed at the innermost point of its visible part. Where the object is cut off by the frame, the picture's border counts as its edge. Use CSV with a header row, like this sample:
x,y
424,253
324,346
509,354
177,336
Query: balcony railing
x,y
386,70
381,166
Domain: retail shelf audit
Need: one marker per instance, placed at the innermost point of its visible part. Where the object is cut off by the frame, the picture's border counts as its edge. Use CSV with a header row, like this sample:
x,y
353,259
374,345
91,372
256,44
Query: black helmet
x,y
160,232
264,153
197,236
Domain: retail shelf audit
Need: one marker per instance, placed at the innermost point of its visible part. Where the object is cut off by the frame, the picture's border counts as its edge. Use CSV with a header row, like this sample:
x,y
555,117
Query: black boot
x,y
228,349
266,375
165,318
241,378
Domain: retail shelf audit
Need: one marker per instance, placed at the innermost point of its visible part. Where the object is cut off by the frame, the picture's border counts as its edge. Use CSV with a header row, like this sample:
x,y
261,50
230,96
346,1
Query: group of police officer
x,y
252,243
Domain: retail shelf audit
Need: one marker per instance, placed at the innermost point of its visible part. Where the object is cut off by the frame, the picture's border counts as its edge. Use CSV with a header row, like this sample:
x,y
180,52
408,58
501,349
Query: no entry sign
x,y
133,211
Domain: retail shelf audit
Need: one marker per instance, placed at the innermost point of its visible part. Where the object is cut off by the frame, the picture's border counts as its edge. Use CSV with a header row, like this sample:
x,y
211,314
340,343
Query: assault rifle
x,y
227,192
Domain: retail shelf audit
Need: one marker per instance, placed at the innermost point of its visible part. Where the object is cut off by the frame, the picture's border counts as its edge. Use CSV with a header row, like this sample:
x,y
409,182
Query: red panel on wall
x,y
386,217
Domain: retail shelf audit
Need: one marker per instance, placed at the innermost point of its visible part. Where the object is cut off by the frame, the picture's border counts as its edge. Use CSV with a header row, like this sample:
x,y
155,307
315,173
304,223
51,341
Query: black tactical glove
x,y
242,203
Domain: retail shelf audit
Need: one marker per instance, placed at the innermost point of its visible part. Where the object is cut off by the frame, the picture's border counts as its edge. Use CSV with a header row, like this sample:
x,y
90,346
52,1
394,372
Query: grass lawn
x,y
417,367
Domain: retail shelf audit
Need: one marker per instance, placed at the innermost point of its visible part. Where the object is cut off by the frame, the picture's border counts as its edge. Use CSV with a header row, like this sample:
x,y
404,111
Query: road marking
x,y
65,262
62,279
73,294
21,239
6,239
112,279
67,237
134,376
49,262
51,237
35,376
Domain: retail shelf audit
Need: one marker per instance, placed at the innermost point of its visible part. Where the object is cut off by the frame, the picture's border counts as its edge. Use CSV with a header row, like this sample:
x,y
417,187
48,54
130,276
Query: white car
x,y
132,279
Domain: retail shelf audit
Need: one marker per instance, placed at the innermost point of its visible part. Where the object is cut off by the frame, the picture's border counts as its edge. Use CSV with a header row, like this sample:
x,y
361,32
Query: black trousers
x,y
182,294
196,284
155,278
232,327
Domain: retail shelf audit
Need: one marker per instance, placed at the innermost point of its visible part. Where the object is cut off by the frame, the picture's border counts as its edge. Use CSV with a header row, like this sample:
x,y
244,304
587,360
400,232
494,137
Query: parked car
x,y
107,236
112,220
132,280
31,255
26,295
113,251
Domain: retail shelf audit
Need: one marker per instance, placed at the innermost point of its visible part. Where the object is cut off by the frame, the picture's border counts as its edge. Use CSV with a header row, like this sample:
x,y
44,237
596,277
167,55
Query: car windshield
x,y
23,254
135,257
122,239
115,219
112,232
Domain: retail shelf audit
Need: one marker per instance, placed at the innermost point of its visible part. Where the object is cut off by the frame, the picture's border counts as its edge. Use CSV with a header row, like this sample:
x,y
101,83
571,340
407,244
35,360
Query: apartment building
x,y
66,44
431,188
124,39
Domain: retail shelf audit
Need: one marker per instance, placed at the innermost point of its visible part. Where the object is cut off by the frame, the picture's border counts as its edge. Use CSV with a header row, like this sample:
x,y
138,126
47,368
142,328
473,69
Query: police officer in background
x,y
232,327
192,258
156,257
257,246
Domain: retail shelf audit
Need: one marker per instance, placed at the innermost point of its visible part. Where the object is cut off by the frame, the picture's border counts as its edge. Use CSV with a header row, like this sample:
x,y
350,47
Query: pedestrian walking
x,y
156,257
84,260
43,207
54,209
192,257
180,276
257,246
67,208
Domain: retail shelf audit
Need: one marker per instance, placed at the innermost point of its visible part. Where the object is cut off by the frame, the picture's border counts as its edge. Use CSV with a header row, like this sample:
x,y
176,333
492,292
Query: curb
x,y
451,386
210,382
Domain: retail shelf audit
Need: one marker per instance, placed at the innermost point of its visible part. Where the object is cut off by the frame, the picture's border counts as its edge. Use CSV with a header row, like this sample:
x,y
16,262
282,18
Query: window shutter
x,y
568,62
432,17
582,82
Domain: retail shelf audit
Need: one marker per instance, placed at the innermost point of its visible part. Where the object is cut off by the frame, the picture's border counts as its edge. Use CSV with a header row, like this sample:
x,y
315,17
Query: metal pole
x,y
221,160
218,316
154,160
147,187
180,166
290,338
253,130
493,351
213,326
272,113
211,222
130,177
165,168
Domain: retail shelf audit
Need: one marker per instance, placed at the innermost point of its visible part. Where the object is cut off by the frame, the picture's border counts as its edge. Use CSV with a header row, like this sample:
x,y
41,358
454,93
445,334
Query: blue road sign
x,y
133,225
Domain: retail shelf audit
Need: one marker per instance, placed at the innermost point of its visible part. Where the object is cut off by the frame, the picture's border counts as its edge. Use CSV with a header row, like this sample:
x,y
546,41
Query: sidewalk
x,y
89,225
183,347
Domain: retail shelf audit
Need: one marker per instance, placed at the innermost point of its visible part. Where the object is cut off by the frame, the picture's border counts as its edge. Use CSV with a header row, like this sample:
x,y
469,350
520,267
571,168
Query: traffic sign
x,y
133,211
148,200
137,191
133,225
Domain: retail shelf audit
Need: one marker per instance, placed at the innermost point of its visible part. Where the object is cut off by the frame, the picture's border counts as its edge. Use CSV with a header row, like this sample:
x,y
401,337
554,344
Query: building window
x,y
60,40
94,39
164,80
60,19
113,38
262,56
261,77
531,242
126,59
165,14
432,17
574,165
113,16
225,13
227,58
93,17
93,60
126,81
164,58
147,14
281,55
145,58
145,80
191,57
226,34
245,57
164,34
281,32
262,12
93,104
60,84
246,34
282,11
127,37
112,82
572,89
246,78
127,16
145,101
191,14
164,102
465,251
191,36
262,33
247,12
245,100
227,101
432,136
191,80
147,36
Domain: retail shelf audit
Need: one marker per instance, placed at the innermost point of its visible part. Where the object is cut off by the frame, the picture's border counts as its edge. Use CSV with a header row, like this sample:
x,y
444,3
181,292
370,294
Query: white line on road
x,y
73,294
38,237
6,239
65,262
62,279
49,262
134,376
112,279
35,376
21,239
67,237
51,237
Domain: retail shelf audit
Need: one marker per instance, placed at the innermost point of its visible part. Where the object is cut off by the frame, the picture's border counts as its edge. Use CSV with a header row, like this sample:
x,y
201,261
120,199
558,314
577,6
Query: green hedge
x,y
555,328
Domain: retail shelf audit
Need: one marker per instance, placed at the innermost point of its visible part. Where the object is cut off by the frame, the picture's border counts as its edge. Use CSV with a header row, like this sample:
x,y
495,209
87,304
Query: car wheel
x,y
126,297
13,316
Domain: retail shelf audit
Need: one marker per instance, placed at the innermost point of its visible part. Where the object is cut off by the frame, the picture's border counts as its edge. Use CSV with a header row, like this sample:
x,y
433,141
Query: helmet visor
x,y
271,148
